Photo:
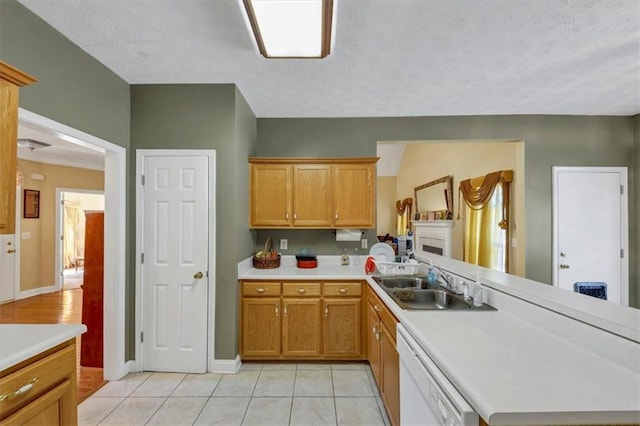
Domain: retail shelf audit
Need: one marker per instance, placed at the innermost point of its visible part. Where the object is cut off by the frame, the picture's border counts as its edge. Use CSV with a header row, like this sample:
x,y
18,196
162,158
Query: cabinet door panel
x,y
270,191
312,195
342,328
261,327
373,336
353,195
301,327
390,374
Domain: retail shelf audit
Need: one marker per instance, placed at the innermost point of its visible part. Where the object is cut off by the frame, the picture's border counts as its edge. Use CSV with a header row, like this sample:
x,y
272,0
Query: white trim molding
x,y
226,366
115,242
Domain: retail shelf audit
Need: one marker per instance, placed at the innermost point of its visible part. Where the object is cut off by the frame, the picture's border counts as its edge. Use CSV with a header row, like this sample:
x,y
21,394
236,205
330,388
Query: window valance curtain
x,y
486,214
403,220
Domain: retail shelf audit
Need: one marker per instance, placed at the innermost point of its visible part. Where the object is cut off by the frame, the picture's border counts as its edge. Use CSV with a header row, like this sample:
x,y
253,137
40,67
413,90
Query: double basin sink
x,y
408,293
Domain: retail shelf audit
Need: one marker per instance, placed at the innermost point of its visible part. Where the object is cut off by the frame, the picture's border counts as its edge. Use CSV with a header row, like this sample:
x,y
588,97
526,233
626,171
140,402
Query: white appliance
x,y
426,395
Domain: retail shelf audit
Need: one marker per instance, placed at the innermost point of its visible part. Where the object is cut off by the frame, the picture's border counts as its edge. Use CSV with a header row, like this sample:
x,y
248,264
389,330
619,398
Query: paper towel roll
x,y
348,235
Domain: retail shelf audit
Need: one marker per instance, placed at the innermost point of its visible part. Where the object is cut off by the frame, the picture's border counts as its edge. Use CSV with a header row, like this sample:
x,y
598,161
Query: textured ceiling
x,y
390,57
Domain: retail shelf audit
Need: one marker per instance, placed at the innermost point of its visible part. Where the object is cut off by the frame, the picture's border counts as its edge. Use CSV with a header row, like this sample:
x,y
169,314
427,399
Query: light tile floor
x,y
259,394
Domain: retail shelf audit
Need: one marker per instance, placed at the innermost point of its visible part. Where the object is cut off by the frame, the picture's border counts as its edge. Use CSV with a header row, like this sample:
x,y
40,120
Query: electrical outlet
x,y
364,243
514,243
284,243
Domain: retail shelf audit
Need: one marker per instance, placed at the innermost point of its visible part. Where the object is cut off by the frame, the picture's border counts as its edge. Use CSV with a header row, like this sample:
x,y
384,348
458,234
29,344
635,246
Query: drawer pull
x,y
261,290
302,290
376,308
343,291
26,388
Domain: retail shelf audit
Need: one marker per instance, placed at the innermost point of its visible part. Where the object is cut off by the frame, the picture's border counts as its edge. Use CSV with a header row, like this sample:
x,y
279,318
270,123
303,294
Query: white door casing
x,y
175,261
115,241
590,228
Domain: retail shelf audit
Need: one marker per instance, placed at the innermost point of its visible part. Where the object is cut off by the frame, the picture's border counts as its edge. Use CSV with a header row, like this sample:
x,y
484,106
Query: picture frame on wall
x,y
31,204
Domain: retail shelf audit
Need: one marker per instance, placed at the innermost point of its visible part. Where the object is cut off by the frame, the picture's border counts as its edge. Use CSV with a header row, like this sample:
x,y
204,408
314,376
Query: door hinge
x,y
141,337
621,253
142,258
621,189
142,179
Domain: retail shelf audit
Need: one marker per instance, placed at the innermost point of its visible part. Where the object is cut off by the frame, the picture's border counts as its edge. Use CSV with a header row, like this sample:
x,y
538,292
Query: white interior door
x,y
590,227
7,267
175,266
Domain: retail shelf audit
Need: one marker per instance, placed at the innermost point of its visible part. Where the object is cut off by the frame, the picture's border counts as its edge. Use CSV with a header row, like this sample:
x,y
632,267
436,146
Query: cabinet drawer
x,y
301,289
342,289
260,288
42,375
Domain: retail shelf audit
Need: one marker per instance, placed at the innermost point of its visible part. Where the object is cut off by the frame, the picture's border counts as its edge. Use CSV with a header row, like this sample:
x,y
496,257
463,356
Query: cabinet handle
x,y
302,291
286,216
376,308
24,389
326,310
261,290
336,215
295,216
277,312
343,290
285,310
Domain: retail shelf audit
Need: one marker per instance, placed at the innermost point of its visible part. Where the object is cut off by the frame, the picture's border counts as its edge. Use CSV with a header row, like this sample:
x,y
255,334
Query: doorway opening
x,y
71,223
115,242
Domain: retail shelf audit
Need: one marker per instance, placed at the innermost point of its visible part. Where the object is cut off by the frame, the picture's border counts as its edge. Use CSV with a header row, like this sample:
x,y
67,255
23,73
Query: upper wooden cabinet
x,y
312,192
10,80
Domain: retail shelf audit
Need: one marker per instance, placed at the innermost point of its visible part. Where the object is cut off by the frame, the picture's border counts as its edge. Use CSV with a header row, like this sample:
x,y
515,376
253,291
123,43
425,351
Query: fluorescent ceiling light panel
x,y
291,28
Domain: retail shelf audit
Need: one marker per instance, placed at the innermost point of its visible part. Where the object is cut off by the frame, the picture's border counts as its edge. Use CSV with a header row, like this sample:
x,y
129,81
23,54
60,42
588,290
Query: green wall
x,y
207,117
634,207
73,88
549,141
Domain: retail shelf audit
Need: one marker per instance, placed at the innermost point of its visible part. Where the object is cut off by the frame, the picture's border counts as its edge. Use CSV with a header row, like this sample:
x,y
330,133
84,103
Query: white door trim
x,y
140,156
17,243
115,243
58,253
624,223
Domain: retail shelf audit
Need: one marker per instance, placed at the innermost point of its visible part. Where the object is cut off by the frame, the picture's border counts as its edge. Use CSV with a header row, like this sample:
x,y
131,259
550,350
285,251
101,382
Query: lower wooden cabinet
x,y
301,327
48,381
301,320
383,354
261,327
342,328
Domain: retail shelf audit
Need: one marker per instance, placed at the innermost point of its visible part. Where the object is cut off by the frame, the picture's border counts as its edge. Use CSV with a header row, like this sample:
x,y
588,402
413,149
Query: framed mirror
x,y
434,200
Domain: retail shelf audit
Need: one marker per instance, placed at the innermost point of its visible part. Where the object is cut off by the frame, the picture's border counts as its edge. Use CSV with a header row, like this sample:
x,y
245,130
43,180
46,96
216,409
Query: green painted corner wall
x,y
549,141
206,117
634,203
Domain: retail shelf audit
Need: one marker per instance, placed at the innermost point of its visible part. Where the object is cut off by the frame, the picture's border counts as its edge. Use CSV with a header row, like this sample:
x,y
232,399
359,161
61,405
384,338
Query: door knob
x,y
11,251
198,275
564,266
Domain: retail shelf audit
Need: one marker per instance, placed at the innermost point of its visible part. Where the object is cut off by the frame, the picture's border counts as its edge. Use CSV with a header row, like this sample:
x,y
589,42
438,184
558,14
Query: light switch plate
x,y
284,243
25,235
364,243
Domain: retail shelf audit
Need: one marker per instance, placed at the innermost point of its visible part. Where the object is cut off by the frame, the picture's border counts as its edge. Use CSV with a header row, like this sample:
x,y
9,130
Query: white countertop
x,y
329,267
511,371
19,342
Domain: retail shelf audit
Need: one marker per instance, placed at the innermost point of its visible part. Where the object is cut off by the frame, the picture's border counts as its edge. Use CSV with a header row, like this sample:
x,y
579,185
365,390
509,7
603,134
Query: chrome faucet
x,y
447,278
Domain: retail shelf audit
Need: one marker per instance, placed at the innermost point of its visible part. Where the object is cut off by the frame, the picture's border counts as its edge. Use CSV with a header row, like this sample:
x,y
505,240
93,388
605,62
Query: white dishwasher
x,y
426,395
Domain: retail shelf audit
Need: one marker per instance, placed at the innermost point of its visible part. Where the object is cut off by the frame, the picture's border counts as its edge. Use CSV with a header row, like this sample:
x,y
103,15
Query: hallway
x,y
63,307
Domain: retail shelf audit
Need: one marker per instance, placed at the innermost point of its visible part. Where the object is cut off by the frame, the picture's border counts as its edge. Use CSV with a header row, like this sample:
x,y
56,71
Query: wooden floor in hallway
x,y
60,307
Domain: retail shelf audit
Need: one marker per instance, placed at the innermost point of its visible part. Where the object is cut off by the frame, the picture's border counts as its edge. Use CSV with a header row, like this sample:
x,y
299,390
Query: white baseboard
x,y
226,366
35,292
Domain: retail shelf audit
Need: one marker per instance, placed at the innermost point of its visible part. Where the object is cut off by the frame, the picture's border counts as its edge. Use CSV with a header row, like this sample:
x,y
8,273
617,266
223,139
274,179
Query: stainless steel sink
x,y
389,283
404,291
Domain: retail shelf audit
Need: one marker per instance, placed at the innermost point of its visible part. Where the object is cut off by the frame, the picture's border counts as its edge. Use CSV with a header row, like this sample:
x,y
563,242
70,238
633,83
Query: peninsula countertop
x,y
19,342
510,369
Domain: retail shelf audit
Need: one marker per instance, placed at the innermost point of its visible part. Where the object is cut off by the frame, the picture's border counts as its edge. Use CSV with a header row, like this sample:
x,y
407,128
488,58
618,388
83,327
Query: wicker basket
x,y
271,263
